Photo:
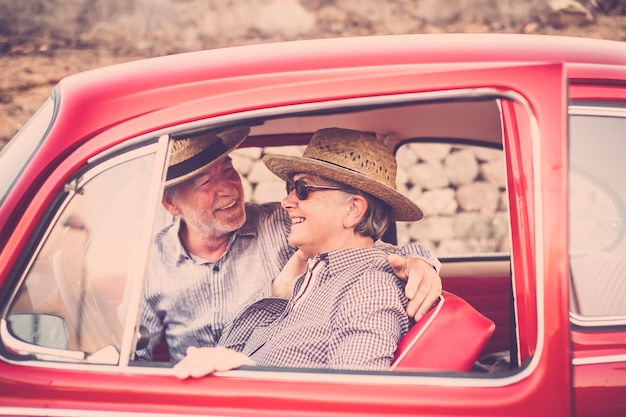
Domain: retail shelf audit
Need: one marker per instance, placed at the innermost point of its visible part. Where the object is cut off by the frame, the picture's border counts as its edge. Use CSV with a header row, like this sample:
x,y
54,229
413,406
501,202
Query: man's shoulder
x,y
356,261
378,274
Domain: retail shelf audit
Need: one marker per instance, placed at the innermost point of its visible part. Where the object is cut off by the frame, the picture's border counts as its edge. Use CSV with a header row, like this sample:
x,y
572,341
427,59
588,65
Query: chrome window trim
x,y
138,273
597,110
596,360
596,321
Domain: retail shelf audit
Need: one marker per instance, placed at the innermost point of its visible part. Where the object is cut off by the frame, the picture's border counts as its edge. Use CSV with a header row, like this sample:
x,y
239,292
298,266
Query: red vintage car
x,y
511,144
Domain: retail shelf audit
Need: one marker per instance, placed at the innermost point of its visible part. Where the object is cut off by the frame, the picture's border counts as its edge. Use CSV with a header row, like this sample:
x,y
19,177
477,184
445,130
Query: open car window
x,y
457,176
78,283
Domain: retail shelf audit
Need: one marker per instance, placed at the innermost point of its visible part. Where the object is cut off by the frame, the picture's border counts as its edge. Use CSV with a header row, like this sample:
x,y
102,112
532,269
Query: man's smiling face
x,y
212,203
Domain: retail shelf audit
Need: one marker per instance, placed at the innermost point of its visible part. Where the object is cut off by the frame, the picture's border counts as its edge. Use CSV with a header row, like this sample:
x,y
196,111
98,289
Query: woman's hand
x,y
204,361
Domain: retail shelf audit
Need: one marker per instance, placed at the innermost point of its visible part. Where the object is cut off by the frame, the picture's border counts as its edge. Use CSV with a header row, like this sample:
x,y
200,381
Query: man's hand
x,y
203,361
283,284
423,286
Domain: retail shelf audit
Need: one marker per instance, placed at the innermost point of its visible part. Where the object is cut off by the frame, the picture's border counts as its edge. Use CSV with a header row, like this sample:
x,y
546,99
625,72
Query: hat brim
x,y
284,166
230,140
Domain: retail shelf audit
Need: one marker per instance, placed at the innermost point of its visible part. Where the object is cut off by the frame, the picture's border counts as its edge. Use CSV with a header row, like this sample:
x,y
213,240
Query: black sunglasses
x,y
302,189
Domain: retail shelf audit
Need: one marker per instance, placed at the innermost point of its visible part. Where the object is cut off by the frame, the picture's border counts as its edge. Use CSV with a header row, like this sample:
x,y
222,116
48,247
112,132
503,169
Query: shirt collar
x,y
173,237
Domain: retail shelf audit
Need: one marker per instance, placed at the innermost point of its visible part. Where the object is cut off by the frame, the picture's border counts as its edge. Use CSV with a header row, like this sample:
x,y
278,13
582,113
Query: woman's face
x,y
317,223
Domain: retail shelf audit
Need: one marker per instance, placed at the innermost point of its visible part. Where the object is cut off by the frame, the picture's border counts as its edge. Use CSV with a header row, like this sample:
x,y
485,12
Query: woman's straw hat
x,y
190,156
351,157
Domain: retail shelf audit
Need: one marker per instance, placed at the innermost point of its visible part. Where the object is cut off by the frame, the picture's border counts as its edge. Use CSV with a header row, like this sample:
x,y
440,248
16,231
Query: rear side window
x,y
597,212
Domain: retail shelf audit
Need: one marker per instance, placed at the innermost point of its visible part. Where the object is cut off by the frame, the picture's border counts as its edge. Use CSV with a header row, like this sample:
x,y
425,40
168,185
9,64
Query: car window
x,y
597,213
74,298
71,293
20,149
462,191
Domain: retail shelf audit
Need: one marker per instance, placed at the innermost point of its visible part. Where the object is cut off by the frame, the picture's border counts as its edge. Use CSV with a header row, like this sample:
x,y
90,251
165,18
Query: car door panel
x,y
153,390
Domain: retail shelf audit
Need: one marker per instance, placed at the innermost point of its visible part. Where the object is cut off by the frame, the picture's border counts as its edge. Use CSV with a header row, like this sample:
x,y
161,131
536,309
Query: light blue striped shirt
x,y
188,301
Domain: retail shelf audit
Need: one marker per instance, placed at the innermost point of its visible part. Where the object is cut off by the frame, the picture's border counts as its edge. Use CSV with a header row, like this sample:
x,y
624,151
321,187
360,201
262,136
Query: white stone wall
x,y
461,190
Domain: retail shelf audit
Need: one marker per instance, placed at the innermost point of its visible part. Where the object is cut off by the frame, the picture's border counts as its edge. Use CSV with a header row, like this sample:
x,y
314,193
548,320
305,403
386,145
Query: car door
x,y
74,377
597,119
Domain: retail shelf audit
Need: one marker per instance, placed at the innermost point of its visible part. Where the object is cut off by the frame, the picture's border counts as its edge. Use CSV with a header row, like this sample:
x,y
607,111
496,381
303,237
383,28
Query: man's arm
x,y
419,269
282,286
416,265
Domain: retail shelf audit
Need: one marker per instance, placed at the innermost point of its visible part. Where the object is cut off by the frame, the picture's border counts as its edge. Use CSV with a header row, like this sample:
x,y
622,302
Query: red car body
x,y
562,367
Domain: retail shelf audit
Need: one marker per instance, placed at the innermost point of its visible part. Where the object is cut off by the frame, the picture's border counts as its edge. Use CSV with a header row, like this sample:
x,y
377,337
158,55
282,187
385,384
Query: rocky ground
x,y
42,42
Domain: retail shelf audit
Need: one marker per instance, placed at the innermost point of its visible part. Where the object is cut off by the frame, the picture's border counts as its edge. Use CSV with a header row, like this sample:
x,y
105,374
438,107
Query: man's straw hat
x,y
350,157
190,156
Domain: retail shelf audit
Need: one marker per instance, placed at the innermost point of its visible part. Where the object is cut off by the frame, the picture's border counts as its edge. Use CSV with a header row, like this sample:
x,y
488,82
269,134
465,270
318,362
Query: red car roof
x,y
108,95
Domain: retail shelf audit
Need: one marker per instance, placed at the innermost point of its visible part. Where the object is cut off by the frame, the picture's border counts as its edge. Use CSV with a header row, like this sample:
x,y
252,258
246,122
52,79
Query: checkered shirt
x,y
347,312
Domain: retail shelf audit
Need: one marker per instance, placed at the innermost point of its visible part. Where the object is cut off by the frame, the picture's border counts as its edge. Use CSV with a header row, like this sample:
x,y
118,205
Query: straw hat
x,y
350,157
189,156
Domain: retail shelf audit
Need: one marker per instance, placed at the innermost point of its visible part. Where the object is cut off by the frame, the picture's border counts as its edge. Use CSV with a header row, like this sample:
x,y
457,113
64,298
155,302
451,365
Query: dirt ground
x,y
31,66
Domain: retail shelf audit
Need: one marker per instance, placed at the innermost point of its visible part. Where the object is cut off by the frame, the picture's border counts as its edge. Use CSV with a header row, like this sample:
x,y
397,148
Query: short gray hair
x,y
377,218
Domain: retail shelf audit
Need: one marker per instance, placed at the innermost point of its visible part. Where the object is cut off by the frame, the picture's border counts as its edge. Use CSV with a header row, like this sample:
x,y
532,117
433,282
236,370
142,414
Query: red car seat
x,y
449,338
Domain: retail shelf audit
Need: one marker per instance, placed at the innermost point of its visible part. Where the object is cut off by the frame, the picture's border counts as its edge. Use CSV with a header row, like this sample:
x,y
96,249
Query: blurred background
x,y
42,41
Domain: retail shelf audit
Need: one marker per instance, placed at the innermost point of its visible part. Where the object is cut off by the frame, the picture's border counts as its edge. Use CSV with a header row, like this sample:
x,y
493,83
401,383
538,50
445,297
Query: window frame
x,y
95,166
336,106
